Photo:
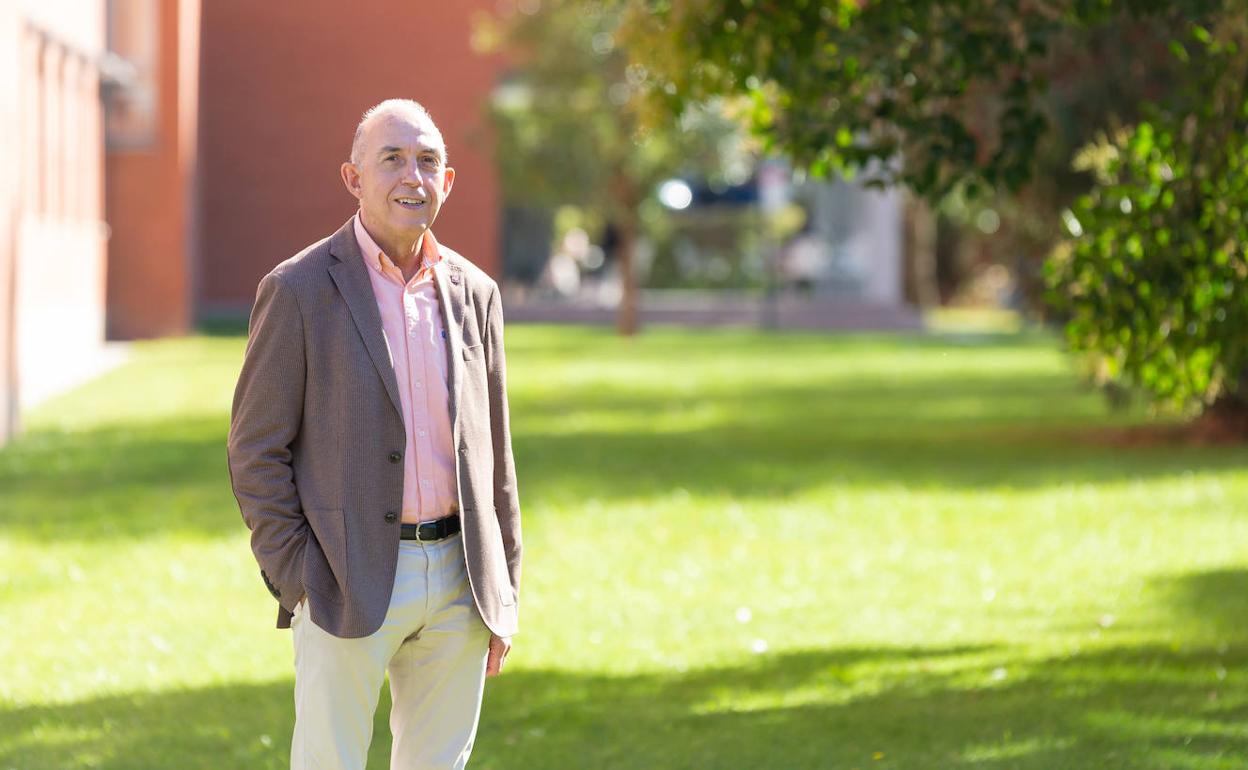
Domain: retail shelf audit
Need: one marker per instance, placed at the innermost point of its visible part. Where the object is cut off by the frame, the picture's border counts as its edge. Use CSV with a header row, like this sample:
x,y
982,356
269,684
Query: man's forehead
x,y
399,130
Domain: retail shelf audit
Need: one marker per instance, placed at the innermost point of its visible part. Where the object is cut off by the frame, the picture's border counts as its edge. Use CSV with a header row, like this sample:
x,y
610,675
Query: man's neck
x,y
405,254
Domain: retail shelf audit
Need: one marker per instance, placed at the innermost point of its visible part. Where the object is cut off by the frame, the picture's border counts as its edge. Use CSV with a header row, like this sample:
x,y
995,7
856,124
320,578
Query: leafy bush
x,y
1154,273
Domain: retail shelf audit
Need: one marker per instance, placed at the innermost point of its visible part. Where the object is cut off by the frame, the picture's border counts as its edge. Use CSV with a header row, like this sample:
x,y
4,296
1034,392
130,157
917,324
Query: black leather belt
x,y
428,531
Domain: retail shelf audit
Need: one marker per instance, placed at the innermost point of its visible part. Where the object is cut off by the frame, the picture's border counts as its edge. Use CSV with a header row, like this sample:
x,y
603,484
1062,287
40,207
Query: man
x,y
370,453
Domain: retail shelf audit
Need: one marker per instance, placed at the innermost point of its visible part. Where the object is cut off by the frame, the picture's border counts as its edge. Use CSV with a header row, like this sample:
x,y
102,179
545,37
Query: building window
x,y
130,103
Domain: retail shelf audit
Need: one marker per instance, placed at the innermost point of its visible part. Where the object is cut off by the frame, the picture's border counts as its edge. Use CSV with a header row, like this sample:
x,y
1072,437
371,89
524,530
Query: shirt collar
x,y
377,259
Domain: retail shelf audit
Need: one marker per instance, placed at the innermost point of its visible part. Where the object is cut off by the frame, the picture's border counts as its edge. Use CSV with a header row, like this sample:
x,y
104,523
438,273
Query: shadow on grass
x,y
136,480
745,463
764,442
773,441
1132,707
683,342
225,326
749,437
1214,602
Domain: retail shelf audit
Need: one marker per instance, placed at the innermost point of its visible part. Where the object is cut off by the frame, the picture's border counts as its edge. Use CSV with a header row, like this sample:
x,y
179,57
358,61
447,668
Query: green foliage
x,y
568,120
954,87
569,125
967,96
1154,274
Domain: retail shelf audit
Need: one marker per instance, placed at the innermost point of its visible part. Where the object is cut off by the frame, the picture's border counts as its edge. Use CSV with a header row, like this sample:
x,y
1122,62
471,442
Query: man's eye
x,y
389,158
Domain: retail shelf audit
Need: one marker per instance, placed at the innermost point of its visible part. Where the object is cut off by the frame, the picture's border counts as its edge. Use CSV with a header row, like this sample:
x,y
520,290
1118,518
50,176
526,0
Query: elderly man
x,y
370,454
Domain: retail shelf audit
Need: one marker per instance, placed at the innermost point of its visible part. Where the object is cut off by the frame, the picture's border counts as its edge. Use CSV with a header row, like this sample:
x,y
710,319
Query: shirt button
x,y
420,433
391,517
395,457
418,383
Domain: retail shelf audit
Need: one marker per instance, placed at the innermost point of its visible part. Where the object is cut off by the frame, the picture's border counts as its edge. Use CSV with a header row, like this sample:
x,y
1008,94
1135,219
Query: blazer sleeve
x,y
506,499
264,424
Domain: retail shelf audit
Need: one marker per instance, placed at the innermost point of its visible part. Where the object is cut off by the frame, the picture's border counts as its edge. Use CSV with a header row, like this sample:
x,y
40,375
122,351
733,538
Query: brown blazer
x,y
316,439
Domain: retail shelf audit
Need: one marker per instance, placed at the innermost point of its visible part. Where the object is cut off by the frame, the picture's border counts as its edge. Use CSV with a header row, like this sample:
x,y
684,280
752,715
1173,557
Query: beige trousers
x,y
432,643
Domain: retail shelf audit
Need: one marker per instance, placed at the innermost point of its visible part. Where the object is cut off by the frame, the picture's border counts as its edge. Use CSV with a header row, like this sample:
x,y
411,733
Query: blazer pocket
x,y
327,537
507,596
317,574
472,352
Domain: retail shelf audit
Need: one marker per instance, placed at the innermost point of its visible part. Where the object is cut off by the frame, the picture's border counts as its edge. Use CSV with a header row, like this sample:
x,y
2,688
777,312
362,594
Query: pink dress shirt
x,y
412,323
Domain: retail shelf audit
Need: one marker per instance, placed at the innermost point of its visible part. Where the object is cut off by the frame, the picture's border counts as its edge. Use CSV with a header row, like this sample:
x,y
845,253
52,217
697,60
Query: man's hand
x,y
499,647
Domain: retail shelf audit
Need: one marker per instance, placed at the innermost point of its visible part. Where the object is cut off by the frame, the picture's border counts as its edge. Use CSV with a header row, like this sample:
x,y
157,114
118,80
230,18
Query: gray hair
x,y
408,107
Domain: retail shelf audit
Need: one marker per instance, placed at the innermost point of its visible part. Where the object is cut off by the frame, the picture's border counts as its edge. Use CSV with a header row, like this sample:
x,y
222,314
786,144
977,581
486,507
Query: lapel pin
x,y
454,277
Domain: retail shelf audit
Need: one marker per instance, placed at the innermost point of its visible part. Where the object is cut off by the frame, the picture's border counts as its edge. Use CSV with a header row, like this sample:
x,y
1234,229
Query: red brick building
x,y
282,88
170,152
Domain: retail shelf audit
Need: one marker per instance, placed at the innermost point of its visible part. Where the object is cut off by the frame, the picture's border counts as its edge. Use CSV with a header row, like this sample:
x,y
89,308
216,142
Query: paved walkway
x,y
44,382
726,309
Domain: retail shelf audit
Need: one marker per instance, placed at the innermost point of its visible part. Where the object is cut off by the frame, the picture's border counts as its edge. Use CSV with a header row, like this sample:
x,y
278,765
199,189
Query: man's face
x,y
401,180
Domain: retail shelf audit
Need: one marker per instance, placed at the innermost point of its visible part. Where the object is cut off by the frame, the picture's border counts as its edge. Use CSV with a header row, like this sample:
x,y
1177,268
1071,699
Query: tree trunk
x,y
626,200
1227,418
626,320
920,253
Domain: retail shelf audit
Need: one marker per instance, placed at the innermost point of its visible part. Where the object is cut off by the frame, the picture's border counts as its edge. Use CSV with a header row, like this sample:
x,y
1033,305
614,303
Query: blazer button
x,y
391,517
395,457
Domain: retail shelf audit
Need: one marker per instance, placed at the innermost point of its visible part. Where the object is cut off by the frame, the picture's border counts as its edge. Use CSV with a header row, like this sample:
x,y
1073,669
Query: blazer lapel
x,y
352,281
451,293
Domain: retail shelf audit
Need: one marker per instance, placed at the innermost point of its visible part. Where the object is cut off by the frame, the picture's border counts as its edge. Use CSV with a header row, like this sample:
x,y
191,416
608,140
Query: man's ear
x,y
448,182
351,179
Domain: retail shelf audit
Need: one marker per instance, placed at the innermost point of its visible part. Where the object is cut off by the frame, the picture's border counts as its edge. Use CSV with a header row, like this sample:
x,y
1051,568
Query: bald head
x,y
408,109
398,173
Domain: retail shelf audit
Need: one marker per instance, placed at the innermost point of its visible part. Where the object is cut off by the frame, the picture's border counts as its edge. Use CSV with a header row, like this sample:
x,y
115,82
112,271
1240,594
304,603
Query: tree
x,y
956,90
1155,272
954,87
569,124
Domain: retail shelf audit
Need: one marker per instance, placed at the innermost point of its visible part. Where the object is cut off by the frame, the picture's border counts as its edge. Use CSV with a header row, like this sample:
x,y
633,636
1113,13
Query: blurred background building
x,y
54,65
168,153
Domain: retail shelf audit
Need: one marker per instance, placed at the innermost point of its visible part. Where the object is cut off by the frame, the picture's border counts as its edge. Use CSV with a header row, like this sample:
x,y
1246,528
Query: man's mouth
x,y
410,203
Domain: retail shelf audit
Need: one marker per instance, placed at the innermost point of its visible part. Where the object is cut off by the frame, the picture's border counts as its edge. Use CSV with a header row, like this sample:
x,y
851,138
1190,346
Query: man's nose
x,y
412,176
413,179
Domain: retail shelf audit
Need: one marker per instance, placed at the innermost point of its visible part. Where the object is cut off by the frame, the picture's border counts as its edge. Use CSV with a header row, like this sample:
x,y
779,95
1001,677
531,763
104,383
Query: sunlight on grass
x,y
742,551
972,320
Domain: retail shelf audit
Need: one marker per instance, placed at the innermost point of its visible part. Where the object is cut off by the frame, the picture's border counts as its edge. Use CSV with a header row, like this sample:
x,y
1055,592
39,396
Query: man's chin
x,y
411,221
407,234
402,222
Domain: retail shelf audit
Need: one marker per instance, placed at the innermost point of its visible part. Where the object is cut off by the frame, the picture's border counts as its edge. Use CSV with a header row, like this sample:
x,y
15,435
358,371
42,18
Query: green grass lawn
x,y
742,551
